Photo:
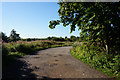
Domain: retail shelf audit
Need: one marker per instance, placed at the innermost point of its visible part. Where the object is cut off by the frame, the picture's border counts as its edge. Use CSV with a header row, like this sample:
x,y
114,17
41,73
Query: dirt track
x,y
51,63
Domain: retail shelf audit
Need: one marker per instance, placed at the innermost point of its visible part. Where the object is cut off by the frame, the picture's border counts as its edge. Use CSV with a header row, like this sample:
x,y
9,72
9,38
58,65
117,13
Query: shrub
x,y
20,48
95,57
5,51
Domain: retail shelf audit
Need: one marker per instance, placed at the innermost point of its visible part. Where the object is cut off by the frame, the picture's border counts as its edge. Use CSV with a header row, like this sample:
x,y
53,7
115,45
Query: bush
x,y
20,48
5,51
97,58
6,59
29,39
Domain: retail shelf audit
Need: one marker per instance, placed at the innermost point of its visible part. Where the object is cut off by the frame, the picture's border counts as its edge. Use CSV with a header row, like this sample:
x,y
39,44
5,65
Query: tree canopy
x,y
100,21
4,37
14,36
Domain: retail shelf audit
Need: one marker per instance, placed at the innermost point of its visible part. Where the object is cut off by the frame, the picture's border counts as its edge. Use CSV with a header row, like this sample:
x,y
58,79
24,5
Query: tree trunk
x,y
107,46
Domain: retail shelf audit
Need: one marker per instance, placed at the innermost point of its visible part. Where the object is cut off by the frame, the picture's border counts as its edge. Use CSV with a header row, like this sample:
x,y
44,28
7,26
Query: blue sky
x,y
31,19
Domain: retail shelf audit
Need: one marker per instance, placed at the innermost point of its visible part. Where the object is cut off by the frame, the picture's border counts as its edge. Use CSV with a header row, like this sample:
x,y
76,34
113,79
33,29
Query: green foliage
x,y
5,51
68,39
6,59
4,37
97,58
58,39
49,38
97,21
32,39
12,50
53,24
71,39
28,39
74,38
14,36
16,54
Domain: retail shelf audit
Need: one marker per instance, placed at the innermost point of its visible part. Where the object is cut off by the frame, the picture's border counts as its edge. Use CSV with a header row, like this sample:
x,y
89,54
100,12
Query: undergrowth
x,y
97,58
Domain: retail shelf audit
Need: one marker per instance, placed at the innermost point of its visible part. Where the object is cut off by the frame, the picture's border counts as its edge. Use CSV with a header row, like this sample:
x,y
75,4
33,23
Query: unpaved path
x,y
51,63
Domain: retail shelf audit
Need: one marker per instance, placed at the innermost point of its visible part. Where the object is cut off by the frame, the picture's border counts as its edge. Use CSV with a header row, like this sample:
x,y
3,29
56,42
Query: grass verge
x,y
93,56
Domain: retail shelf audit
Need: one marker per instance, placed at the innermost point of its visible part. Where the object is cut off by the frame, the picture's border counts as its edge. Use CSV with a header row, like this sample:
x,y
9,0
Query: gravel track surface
x,y
51,63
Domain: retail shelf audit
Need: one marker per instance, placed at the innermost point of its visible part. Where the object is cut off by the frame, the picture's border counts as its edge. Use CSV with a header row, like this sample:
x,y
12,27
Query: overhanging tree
x,y
100,21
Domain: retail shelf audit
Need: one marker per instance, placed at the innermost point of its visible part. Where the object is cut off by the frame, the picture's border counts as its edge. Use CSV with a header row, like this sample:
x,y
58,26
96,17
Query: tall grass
x,y
13,50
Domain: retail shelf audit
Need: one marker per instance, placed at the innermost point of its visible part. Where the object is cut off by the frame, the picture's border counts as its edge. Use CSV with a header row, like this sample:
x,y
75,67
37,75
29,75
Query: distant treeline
x,y
16,37
71,39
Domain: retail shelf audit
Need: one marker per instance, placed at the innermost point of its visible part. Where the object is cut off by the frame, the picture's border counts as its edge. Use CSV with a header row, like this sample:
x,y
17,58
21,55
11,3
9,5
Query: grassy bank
x,y
12,51
97,58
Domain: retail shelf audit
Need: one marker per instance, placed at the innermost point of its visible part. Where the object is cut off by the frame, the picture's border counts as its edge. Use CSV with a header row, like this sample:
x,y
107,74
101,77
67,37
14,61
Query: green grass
x,y
92,55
